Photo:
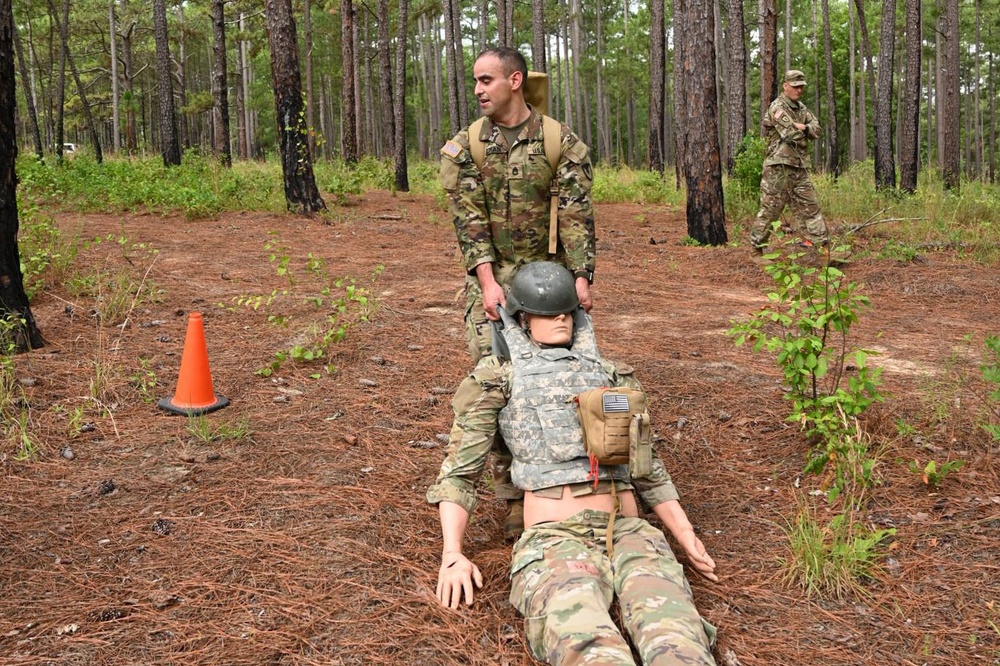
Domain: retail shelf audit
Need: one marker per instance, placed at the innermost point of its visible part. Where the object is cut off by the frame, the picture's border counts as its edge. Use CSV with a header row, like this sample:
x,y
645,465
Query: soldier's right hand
x,y
492,297
455,578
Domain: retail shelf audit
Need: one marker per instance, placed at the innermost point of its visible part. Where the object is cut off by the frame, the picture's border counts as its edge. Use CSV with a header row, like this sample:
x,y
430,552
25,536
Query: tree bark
x,y
220,91
697,111
169,146
385,78
909,154
61,90
788,35
603,138
463,102
951,102
577,45
348,118
454,116
657,82
736,83
13,300
977,118
768,57
36,133
885,166
833,145
399,103
116,126
301,194
310,99
538,63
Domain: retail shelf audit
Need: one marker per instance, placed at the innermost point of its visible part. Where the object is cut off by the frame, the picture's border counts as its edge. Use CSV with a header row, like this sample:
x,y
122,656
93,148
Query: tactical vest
x,y
539,423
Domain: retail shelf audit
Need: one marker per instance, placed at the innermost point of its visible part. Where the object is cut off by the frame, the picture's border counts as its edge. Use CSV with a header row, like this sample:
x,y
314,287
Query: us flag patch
x,y
614,403
451,149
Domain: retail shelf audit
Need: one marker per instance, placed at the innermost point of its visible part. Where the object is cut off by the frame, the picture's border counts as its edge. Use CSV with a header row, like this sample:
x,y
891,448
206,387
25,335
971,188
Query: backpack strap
x,y
477,147
552,144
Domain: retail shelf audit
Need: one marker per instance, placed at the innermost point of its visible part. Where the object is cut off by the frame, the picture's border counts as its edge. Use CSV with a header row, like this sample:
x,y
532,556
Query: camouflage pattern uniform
x,y
562,580
786,172
501,213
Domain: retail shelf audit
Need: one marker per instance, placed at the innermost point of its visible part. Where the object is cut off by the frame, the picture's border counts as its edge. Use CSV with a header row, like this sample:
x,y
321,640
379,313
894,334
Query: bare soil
x,y
308,540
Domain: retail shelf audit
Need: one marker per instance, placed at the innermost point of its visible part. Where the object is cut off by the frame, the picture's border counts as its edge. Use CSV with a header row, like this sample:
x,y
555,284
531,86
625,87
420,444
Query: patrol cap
x,y
542,288
794,77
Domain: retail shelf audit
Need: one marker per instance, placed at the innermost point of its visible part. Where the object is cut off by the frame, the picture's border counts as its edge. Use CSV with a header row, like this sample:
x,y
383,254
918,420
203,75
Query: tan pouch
x,y
606,416
640,451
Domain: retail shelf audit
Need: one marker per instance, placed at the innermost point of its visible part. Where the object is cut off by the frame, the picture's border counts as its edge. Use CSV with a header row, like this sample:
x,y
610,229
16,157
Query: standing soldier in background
x,y
501,182
788,128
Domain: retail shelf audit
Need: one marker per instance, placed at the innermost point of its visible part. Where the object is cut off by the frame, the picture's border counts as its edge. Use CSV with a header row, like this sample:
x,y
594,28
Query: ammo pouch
x,y
615,427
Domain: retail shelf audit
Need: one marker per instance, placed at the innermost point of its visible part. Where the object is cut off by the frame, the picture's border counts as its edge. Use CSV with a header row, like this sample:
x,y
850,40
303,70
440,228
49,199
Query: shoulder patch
x,y
451,149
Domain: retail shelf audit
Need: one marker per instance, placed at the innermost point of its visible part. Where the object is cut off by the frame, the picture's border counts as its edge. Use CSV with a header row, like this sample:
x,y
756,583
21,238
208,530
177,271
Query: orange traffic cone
x,y
194,393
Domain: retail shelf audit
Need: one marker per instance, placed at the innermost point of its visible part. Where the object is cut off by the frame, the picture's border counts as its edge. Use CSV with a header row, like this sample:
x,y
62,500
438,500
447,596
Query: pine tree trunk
x,y
61,89
951,101
866,51
169,146
310,99
909,154
220,91
993,122
698,120
116,126
977,117
301,194
577,45
768,57
399,101
182,118
501,14
657,81
463,102
788,35
241,96
454,117
885,167
852,120
538,63
604,147
736,83
348,119
13,300
388,115
36,133
833,145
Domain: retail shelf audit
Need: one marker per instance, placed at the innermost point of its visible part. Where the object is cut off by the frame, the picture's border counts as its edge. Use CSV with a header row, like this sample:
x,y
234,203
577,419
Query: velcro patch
x,y
614,403
451,149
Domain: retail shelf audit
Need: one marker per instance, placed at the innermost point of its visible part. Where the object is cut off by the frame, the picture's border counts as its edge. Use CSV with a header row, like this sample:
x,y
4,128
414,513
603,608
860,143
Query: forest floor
x,y
291,526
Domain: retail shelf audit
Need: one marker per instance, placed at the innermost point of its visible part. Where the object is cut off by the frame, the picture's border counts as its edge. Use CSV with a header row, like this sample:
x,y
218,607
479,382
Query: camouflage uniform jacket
x,y
477,405
501,213
786,144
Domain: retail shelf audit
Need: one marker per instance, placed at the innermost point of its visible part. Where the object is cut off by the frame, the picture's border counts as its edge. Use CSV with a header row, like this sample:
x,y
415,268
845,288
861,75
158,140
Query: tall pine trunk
x,y
301,194
657,82
349,120
950,99
63,28
13,300
885,166
399,101
697,113
169,146
909,154
36,133
220,90
768,57
736,83
833,145
538,36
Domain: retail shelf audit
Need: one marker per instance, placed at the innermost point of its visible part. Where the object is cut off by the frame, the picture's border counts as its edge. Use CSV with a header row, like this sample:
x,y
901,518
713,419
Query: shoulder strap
x,y
552,141
477,147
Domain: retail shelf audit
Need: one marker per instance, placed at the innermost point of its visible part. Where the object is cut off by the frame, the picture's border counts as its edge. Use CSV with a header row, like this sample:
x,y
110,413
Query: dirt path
x,y
308,541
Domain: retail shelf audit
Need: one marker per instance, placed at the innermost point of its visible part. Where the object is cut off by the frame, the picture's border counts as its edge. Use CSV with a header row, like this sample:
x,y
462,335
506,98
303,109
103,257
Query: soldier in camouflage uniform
x,y
501,212
789,126
563,579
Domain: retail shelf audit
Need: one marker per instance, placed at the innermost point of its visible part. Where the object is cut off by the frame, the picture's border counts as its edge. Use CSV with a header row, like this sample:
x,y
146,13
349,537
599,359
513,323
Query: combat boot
x,y
513,523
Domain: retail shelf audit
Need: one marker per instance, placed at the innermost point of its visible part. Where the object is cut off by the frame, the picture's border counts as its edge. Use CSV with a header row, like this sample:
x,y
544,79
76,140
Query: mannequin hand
x,y
456,577
700,559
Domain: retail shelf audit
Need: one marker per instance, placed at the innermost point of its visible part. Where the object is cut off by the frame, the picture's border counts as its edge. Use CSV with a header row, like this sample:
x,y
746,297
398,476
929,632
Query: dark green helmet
x,y
542,288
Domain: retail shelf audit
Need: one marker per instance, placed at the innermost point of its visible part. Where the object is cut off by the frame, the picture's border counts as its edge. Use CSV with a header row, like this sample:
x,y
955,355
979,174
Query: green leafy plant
x,y
933,474
991,373
835,559
805,325
144,381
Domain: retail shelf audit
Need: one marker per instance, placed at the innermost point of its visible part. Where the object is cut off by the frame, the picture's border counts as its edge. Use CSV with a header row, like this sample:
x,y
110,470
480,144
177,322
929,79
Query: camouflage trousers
x,y
479,336
563,583
783,185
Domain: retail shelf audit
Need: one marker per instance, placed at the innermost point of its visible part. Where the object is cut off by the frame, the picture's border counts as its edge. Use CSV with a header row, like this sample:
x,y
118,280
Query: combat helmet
x,y
542,288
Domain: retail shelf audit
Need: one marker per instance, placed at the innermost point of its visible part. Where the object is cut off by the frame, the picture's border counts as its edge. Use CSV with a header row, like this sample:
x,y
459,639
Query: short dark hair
x,y
511,59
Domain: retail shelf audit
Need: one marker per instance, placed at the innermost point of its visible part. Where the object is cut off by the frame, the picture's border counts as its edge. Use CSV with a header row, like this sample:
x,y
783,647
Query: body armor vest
x,y
539,423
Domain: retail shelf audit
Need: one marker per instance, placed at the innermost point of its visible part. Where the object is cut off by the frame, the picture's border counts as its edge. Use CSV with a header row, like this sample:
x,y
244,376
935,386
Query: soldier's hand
x,y
456,576
800,127
700,559
492,297
583,293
